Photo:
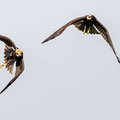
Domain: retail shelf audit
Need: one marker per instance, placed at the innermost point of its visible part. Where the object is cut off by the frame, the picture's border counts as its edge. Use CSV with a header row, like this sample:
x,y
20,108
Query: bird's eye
x,y
17,54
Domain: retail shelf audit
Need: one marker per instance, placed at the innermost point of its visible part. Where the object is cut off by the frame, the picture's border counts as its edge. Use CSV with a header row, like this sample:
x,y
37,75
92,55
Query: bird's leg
x,y
88,31
2,65
84,29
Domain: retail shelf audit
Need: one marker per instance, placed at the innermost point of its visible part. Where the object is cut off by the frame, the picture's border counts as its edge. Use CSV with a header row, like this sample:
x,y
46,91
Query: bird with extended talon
x,y
12,54
87,24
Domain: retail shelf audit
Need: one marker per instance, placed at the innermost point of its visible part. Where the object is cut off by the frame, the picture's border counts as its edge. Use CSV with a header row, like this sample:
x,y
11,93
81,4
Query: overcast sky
x,y
73,77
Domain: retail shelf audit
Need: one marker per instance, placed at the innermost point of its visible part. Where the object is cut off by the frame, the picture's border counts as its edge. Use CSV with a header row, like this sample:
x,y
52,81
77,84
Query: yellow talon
x,y
4,64
84,29
88,31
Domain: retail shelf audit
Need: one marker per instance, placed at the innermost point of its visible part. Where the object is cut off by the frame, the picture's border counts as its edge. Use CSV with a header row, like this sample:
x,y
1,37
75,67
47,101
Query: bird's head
x,y
90,17
18,52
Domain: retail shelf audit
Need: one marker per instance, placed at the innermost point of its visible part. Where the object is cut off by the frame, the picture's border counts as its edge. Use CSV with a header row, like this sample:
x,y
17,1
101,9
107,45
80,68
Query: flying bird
x,y
87,24
12,54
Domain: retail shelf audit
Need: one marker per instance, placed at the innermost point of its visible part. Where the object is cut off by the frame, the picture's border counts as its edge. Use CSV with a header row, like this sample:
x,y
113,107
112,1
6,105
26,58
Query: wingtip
x,y
118,60
1,92
44,41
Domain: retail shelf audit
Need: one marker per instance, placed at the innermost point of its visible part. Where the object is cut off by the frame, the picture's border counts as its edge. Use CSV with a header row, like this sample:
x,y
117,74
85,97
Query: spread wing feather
x,y
7,41
10,65
19,70
59,31
8,58
105,34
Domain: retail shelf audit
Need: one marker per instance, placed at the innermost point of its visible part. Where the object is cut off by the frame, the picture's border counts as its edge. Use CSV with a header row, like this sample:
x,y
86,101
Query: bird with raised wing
x,y
87,24
12,54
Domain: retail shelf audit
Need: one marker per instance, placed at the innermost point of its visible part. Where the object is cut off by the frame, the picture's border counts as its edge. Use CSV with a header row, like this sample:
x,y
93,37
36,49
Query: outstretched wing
x,y
59,31
105,34
19,70
7,41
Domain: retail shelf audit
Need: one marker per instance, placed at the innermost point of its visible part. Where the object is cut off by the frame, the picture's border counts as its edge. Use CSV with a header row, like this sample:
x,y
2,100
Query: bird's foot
x,y
88,31
2,65
84,29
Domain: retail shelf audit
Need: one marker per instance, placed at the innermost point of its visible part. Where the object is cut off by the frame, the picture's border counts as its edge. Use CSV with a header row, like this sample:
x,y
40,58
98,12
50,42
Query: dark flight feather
x,y
105,34
8,54
19,70
7,41
59,31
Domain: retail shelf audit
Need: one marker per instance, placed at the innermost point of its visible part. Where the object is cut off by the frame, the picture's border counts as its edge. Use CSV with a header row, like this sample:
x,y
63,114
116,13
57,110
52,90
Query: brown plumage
x,y
11,55
87,24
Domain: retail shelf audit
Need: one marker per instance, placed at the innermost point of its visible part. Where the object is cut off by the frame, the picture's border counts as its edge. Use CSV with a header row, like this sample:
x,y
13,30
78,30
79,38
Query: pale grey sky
x,y
74,76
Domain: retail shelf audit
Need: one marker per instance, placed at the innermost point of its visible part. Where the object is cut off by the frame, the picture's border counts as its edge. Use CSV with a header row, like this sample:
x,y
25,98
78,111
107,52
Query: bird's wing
x,y
82,26
7,41
105,34
19,70
10,65
59,31
8,58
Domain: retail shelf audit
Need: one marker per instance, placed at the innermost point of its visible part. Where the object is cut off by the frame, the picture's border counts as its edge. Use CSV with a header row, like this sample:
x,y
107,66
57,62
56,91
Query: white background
x,y
74,76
